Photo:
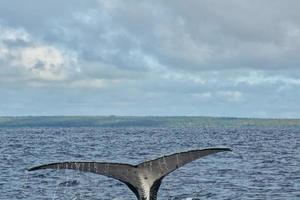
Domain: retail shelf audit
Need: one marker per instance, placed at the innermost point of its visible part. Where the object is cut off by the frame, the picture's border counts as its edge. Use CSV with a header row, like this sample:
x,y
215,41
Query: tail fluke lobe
x,y
166,164
118,171
123,172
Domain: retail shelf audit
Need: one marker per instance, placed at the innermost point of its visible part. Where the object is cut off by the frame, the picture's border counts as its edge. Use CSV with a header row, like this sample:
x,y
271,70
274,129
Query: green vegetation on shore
x,y
122,121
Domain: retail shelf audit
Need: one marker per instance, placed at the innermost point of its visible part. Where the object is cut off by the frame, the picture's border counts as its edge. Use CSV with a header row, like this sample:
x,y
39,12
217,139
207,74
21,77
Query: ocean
x,y
264,163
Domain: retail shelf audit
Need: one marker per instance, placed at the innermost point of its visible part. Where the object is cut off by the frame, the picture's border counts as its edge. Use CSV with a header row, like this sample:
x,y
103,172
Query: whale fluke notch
x,y
143,179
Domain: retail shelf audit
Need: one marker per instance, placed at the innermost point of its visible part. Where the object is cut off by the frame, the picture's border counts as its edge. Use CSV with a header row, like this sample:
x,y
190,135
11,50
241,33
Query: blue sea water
x,y
264,164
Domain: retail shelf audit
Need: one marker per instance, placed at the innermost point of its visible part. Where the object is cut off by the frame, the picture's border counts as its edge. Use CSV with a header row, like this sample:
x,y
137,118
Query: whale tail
x,y
143,179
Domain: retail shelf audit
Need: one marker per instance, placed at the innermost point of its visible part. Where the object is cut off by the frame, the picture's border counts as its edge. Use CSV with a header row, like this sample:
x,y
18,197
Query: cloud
x,y
44,62
206,35
256,78
205,57
32,59
211,35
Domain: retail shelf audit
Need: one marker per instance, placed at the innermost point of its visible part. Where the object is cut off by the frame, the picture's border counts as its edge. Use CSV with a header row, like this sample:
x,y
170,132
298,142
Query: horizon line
x,y
158,116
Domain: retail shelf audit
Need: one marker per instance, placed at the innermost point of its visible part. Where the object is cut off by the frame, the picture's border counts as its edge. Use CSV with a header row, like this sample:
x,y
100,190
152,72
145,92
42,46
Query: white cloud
x,y
45,62
203,95
11,34
33,59
230,95
93,83
259,77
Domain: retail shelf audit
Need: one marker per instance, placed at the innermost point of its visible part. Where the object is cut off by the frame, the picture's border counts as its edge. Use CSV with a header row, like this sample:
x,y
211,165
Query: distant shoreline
x,y
150,116
142,121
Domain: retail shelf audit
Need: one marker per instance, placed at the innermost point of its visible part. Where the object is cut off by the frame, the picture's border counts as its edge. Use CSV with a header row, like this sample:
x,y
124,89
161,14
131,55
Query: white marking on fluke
x,y
143,179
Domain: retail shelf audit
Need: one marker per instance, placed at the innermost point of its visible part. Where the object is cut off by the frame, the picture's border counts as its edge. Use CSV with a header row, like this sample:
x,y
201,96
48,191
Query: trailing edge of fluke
x,y
143,179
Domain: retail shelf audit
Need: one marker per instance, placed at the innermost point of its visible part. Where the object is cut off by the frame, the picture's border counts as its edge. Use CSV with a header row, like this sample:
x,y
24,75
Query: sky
x,y
234,58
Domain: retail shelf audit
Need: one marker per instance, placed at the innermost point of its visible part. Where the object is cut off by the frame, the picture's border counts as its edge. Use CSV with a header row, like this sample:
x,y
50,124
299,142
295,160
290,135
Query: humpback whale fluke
x,y
143,179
